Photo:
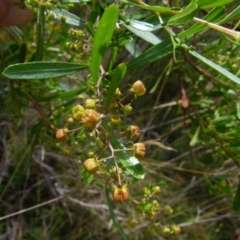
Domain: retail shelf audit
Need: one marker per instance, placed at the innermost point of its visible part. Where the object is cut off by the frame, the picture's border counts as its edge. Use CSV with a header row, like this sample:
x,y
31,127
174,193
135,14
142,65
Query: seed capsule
x,y
90,118
133,131
91,165
138,88
121,194
139,150
61,135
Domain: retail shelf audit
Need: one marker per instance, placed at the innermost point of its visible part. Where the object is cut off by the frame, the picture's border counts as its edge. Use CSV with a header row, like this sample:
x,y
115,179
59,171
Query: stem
x,y
40,34
234,34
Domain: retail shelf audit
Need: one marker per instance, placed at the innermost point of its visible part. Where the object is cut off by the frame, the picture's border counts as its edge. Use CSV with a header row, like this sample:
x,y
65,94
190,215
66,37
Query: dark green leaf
x,y
116,77
217,67
114,217
87,178
184,16
204,4
236,201
102,39
42,70
62,96
212,16
132,165
153,54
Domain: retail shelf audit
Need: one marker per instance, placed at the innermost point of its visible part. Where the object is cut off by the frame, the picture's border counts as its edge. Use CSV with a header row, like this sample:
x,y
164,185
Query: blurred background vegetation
x,y
196,161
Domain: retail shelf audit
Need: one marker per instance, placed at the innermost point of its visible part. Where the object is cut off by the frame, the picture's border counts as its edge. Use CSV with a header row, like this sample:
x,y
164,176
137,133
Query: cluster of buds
x,y
88,117
103,123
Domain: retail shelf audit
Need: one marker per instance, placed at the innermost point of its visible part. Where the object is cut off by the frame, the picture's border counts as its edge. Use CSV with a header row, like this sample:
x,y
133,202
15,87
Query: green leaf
x,y
62,96
42,70
212,16
231,16
152,8
203,4
87,178
147,36
195,138
132,165
116,77
114,217
215,66
140,25
153,54
134,49
102,39
71,19
236,201
184,16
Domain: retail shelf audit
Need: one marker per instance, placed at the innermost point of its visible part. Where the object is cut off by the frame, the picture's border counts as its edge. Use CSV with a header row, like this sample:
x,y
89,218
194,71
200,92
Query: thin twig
x,y
31,208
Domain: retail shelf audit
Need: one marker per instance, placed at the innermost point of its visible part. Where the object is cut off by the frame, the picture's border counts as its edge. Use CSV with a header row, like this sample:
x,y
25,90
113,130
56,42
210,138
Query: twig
x,y
31,208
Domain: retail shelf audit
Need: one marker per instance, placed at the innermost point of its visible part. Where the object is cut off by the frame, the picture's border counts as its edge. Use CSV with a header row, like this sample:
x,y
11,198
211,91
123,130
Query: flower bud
x,y
90,118
175,229
127,109
139,150
115,120
138,88
90,103
91,165
118,93
133,131
168,210
185,101
61,135
120,194
78,111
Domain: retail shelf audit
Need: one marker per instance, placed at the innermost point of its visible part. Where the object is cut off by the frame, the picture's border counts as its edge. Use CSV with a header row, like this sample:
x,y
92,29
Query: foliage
x,y
73,100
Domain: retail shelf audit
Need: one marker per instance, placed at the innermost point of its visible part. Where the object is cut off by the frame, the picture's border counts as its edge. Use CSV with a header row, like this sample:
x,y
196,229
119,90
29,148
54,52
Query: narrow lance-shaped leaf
x,y
153,54
42,70
212,16
234,14
195,138
215,66
102,39
204,4
147,36
114,217
116,78
184,16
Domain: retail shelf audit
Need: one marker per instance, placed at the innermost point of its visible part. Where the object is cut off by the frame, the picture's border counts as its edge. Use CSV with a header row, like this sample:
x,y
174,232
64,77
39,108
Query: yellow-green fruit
x,y
138,88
